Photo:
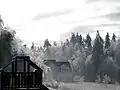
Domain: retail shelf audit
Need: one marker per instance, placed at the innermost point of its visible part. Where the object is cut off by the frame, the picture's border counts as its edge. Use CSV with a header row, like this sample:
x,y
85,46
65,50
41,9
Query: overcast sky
x,y
36,20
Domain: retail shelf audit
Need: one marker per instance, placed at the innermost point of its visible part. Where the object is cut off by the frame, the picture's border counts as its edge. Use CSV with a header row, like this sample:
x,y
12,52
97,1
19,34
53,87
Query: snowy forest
x,y
91,58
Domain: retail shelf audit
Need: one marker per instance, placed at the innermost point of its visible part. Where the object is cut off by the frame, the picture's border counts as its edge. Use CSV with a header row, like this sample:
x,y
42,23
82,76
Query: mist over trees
x,y
101,58
86,59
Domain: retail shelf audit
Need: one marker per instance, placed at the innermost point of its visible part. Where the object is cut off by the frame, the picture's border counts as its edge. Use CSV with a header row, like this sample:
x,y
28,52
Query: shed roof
x,y
57,62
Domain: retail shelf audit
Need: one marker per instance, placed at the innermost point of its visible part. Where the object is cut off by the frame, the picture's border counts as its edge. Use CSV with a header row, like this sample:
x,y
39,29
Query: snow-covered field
x,y
87,86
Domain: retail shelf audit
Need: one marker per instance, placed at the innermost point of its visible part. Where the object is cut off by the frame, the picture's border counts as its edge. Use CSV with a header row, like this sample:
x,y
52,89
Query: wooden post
x,y
28,76
2,80
13,69
38,74
15,73
25,73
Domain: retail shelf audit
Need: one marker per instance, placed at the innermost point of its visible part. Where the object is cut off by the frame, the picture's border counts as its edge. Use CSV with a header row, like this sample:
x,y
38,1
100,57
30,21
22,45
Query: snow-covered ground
x,y
87,86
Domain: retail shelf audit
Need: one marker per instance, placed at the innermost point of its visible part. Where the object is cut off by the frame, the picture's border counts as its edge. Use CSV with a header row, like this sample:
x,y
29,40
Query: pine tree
x,y
88,40
113,44
80,41
107,41
47,50
67,42
102,41
73,39
47,43
88,44
114,37
97,53
77,37
98,45
33,46
55,43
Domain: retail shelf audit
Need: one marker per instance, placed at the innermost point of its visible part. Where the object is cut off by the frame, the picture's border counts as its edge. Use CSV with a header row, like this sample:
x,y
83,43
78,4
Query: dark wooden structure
x,y
61,70
25,79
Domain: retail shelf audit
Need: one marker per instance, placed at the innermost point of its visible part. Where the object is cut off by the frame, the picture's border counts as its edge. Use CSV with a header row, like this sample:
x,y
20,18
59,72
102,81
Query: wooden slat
x,y
12,74
15,74
22,81
24,66
18,80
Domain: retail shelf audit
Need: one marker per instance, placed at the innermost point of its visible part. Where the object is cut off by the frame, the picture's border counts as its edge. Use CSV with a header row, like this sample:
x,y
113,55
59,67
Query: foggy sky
x,y
36,20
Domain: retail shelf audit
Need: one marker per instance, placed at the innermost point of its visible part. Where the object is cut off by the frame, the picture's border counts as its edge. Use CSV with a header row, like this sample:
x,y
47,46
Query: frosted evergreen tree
x,y
88,43
111,51
73,39
114,37
117,52
67,42
97,53
80,41
47,49
33,46
77,37
55,43
107,41
47,43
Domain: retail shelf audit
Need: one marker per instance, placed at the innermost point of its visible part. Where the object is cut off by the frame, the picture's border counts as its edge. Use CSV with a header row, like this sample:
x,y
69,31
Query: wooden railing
x,y
15,80
20,80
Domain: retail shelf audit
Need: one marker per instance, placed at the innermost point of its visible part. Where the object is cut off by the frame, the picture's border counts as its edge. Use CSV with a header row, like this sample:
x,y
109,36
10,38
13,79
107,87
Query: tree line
x,y
88,57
